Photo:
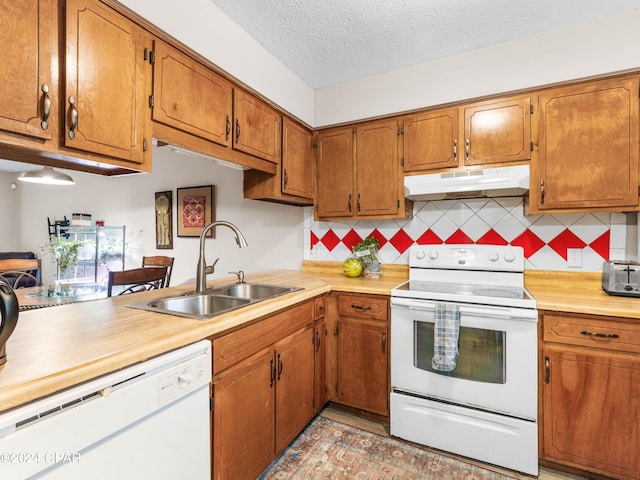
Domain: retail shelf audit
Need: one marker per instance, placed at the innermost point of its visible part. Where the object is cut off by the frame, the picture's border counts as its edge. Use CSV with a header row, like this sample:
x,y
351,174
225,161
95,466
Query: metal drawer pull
x,y
600,335
361,307
279,367
273,373
47,107
74,117
547,369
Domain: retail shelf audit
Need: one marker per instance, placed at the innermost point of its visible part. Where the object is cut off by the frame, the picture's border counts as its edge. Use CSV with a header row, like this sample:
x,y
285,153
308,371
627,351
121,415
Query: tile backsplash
x,y
499,221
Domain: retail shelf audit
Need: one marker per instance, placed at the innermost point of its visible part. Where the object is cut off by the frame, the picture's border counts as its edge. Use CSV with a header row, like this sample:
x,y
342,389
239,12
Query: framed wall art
x,y
196,210
164,220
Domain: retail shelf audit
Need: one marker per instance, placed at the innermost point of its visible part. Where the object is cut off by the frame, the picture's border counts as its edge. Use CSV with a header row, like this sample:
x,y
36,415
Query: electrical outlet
x,y
574,257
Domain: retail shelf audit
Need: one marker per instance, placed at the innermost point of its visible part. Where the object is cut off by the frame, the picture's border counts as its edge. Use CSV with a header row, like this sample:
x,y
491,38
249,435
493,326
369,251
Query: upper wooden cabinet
x,y
293,181
27,97
335,173
107,83
588,153
359,172
189,96
256,128
481,133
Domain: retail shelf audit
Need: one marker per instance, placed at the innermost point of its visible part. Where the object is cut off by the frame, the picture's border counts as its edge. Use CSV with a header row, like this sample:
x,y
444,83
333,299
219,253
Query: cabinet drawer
x,y
238,345
363,306
320,305
592,331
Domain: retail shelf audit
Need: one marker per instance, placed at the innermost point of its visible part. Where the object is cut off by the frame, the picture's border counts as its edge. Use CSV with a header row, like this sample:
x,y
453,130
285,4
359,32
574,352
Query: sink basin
x,y
253,291
214,301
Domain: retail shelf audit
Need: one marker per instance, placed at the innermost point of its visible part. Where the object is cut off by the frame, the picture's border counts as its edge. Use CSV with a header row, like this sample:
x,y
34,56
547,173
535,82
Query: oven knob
x,y
493,257
420,255
509,257
433,255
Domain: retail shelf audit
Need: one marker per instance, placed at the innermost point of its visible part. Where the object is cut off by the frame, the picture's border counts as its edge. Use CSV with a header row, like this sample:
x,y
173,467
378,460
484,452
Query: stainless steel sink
x,y
252,291
215,301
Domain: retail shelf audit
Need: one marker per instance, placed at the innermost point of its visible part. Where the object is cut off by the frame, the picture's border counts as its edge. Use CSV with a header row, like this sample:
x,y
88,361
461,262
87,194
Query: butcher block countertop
x,y
58,347
577,293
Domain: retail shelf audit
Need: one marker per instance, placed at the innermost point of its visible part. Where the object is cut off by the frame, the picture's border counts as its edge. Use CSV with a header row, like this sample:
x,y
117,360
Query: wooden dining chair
x,y
160,261
137,279
21,272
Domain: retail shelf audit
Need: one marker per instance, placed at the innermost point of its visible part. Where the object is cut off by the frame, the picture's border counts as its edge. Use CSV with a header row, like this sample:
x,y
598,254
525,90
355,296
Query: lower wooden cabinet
x,y
360,367
263,391
590,386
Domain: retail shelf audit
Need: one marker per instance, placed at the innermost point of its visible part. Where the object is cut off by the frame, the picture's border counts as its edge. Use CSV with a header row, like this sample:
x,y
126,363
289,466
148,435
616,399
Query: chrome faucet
x,y
203,269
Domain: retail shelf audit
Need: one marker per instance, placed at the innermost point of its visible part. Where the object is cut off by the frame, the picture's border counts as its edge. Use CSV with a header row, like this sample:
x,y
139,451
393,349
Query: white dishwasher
x,y
150,420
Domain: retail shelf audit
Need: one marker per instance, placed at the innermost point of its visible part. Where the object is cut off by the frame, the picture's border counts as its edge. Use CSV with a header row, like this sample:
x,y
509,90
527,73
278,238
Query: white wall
x,y
9,215
207,30
274,232
604,45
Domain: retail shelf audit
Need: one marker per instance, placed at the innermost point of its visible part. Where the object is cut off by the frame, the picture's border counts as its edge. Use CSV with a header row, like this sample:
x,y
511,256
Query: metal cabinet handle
x,y
547,369
599,335
541,191
279,367
349,203
361,307
455,151
273,373
358,202
74,118
317,341
384,342
228,130
285,178
237,130
46,111
466,149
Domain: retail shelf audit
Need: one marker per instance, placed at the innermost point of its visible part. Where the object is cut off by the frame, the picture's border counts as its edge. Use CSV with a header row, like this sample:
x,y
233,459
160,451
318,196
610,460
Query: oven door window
x,y
481,353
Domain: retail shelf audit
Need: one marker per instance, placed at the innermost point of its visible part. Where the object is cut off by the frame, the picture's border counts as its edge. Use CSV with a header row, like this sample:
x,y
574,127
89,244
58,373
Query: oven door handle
x,y
501,312
413,304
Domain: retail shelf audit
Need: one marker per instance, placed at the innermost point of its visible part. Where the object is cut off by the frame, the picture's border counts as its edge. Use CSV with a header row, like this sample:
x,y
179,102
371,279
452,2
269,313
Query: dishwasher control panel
x,y
183,378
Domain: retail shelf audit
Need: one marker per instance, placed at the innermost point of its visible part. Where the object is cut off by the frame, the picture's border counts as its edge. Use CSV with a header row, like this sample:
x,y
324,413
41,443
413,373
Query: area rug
x,y
329,450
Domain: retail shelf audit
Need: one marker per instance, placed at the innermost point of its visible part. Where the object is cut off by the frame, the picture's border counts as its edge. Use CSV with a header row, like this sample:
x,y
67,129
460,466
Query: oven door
x,y
496,367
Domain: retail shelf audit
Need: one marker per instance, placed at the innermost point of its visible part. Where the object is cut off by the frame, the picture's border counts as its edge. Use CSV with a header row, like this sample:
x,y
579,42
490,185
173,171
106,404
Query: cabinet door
x,y
497,132
588,146
334,197
243,420
378,171
190,97
431,140
296,160
320,368
26,42
108,83
294,386
362,365
256,128
591,406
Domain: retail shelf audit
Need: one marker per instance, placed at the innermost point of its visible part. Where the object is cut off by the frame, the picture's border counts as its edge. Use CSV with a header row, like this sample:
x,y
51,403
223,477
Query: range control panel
x,y
504,258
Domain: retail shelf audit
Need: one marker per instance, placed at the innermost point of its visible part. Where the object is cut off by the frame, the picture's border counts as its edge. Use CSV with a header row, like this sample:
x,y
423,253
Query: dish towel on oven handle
x,y
445,337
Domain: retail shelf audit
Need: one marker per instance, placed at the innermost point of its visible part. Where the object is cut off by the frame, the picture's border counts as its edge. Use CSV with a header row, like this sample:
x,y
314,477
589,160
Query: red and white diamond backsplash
x,y
497,221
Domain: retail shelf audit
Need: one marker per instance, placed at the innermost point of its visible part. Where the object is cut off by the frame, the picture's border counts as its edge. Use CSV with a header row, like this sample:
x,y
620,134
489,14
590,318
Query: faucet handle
x,y
209,268
240,275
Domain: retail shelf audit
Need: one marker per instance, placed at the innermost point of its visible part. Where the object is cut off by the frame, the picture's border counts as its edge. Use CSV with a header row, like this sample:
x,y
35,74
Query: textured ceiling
x,y
326,42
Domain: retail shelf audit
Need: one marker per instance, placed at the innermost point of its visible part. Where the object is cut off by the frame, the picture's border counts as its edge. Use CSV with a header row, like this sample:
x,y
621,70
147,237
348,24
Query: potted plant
x,y
65,251
367,252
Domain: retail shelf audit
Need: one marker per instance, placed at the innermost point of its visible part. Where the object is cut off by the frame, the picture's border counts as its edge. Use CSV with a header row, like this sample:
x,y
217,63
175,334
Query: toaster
x,y
621,278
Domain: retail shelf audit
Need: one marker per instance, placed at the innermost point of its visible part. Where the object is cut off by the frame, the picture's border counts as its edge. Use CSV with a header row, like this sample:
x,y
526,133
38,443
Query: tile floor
x,y
382,428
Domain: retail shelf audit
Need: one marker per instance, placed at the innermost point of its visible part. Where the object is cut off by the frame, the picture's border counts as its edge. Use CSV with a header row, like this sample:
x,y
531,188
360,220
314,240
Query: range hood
x,y
489,182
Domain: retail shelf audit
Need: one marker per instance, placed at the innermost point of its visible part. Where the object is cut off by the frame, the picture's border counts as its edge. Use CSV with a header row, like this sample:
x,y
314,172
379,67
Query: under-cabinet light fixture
x,y
47,176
